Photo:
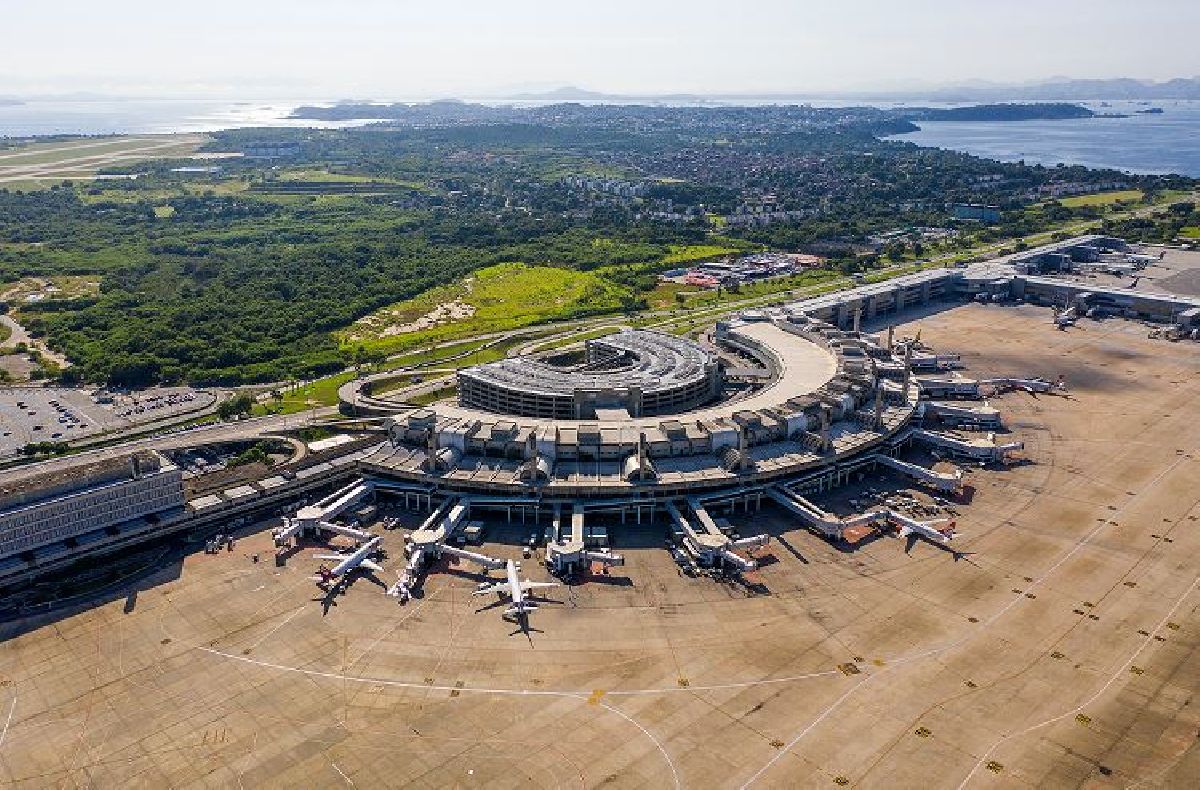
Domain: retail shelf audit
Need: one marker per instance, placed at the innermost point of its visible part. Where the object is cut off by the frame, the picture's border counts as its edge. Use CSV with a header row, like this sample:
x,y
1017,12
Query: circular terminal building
x,y
627,374
647,415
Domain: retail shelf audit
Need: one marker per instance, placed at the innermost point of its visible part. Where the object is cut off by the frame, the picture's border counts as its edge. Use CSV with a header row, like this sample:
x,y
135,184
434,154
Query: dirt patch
x,y
444,313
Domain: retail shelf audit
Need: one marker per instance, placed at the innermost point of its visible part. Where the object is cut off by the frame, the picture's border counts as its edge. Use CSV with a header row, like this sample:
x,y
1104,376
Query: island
x,y
1034,111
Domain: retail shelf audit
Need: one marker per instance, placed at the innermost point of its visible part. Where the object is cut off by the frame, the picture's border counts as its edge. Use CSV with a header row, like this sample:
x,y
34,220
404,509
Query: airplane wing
x,y
371,566
528,585
499,587
333,557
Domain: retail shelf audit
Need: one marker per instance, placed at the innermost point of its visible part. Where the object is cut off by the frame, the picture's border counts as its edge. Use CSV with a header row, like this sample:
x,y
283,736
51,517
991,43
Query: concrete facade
x,y
49,510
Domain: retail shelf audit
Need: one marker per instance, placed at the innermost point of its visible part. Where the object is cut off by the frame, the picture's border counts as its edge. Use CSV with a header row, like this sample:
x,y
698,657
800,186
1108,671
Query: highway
x,y
206,434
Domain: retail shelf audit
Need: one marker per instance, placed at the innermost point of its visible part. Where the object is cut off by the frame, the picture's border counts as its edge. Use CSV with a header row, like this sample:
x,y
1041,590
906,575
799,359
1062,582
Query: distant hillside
x,y
1124,88
566,93
1002,112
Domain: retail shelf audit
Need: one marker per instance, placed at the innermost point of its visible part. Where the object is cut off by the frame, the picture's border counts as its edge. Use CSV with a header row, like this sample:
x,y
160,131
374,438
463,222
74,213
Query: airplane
x,y
1064,318
925,530
330,579
516,590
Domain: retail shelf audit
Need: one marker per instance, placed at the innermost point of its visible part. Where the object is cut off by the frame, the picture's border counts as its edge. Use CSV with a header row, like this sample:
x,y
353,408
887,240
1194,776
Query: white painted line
x,y
11,709
342,774
634,722
1124,667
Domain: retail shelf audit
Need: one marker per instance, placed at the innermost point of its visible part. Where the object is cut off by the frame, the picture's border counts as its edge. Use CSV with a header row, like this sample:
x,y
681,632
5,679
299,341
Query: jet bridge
x,y
567,553
315,518
852,529
708,544
428,542
983,416
976,449
1029,385
942,481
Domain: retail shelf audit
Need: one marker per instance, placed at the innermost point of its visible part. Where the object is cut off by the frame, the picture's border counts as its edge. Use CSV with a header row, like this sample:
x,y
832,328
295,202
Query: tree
x,y
238,404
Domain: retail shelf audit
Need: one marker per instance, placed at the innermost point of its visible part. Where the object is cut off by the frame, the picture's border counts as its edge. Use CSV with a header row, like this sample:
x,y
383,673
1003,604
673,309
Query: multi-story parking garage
x,y
630,373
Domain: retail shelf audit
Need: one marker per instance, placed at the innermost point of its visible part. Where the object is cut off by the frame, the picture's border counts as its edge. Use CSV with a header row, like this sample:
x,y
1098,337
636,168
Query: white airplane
x,y
516,591
330,578
912,529
1064,318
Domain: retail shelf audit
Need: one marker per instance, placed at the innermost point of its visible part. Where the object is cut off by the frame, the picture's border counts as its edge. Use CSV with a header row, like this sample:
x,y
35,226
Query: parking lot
x,y
62,414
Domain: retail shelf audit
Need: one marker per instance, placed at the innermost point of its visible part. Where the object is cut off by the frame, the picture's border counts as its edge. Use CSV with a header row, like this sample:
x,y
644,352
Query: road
x,y
19,335
208,434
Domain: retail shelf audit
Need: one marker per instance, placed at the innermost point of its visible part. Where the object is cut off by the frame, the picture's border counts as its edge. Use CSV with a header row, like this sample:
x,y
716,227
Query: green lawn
x,y
575,337
433,395
685,253
322,392
501,297
430,356
1190,232
1103,198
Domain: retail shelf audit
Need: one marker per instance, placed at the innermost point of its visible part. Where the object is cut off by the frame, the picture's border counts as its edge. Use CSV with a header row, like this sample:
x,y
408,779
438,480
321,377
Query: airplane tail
x,y
523,609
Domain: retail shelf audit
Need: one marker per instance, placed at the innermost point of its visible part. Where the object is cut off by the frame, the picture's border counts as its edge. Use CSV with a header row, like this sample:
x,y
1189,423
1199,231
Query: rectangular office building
x,y
59,505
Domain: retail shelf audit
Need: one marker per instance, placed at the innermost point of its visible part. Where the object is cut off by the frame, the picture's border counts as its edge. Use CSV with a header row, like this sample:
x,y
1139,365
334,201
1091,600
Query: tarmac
x,y
1061,649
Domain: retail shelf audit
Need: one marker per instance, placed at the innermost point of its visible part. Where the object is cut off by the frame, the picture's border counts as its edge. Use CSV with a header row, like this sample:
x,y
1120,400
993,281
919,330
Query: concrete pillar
x,y
857,318
907,369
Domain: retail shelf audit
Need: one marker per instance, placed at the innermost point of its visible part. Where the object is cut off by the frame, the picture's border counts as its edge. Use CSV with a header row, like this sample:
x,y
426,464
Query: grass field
x,y
686,253
1190,232
1103,198
664,295
494,299
322,392
433,396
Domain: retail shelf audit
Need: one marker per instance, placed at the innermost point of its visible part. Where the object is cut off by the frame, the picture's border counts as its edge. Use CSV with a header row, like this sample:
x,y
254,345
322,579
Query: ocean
x,y
1166,143
101,116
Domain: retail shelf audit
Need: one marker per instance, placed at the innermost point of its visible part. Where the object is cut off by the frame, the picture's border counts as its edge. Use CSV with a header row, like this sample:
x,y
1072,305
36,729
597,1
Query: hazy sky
x,y
398,48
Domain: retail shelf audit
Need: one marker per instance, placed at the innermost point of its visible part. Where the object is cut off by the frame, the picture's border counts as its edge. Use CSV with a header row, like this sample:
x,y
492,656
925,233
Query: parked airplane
x,y
1065,318
913,530
330,579
516,590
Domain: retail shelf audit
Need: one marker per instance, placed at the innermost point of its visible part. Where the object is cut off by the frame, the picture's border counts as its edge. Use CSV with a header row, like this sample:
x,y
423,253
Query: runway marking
x,y
290,617
1113,679
971,634
635,723
342,774
788,746
581,696
11,709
